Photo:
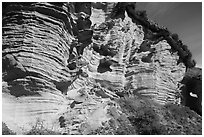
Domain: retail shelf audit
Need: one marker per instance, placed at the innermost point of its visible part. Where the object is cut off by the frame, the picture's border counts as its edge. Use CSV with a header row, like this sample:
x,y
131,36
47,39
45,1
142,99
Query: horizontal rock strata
x,y
65,63
39,46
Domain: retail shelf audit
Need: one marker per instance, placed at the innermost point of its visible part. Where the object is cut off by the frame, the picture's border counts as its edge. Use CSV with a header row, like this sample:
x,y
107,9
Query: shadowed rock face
x,y
193,85
65,63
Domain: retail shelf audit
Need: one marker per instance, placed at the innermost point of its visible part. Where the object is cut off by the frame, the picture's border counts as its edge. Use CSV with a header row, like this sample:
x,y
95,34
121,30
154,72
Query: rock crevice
x,y
67,63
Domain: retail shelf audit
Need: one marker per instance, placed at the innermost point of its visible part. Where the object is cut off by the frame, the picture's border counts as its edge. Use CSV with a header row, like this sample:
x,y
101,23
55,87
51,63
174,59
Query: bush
x,y
6,130
187,121
150,118
39,129
142,115
147,123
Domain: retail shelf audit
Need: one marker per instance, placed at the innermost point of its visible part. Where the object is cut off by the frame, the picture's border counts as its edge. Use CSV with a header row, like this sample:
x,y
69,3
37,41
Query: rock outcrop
x,y
66,63
192,89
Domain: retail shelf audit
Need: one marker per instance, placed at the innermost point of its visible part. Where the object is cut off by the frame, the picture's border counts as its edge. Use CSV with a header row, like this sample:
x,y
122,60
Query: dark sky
x,y
183,18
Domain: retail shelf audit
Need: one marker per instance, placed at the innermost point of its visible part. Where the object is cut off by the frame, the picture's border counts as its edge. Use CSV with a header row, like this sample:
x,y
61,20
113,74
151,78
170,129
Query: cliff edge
x,y
71,68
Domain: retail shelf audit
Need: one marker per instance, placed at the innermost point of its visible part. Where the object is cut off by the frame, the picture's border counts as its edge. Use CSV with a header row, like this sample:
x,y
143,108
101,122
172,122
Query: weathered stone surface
x,y
66,63
159,77
38,40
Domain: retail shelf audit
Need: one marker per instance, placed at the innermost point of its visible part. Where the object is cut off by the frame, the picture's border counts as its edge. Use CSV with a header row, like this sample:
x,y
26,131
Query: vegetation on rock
x,y
149,118
116,76
6,130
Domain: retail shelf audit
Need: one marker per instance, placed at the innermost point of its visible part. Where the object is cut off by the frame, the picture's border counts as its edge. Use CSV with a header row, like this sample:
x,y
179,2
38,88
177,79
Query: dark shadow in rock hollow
x,y
104,66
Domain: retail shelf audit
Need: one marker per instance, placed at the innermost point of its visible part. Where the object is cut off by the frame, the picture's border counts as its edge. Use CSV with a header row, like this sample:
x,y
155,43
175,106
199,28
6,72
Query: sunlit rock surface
x,y
66,63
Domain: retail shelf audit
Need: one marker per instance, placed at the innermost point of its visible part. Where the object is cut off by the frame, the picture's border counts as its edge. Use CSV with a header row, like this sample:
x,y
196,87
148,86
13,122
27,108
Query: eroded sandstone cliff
x,y
66,63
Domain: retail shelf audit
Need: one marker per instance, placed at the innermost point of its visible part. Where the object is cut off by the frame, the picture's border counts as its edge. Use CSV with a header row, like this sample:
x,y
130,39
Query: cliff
x,y
192,89
65,65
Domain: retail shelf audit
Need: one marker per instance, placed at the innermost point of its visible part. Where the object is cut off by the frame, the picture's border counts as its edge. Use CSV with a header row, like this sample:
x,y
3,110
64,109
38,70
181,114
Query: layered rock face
x,y
134,64
65,63
36,41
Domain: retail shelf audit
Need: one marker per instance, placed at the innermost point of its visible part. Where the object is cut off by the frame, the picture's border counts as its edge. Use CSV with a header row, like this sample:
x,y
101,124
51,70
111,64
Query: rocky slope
x,y
65,64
